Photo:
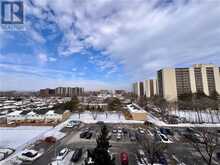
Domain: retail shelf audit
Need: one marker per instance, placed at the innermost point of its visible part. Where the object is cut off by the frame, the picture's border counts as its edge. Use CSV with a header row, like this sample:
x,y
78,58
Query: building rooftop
x,y
134,108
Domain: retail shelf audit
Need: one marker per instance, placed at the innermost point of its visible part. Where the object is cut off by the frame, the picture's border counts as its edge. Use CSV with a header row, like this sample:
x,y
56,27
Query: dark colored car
x,y
77,155
50,139
190,130
30,154
83,134
124,158
124,130
132,137
100,122
218,155
88,135
191,137
161,158
166,131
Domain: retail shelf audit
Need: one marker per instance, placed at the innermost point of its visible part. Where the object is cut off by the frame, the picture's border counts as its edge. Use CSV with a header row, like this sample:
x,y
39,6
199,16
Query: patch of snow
x,y
107,117
151,118
18,136
203,116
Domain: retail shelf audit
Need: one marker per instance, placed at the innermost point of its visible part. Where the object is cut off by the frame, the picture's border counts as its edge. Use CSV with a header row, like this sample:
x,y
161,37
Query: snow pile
x,y
107,117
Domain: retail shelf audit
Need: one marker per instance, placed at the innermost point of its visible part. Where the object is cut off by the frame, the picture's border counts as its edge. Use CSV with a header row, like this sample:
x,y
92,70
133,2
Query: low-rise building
x,y
36,116
137,112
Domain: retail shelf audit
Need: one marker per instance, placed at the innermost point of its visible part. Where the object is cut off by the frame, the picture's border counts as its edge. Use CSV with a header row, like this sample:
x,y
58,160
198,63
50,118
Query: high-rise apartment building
x,y
150,88
200,78
47,92
69,91
146,88
138,88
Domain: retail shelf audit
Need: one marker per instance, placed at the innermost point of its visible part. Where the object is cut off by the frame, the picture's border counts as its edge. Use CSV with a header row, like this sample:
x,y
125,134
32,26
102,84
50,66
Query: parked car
x,y
72,123
162,159
190,130
166,131
114,131
29,155
191,136
163,138
100,122
62,154
118,137
119,130
124,130
132,137
88,135
76,155
124,158
50,140
83,134
141,157
218,155
141,130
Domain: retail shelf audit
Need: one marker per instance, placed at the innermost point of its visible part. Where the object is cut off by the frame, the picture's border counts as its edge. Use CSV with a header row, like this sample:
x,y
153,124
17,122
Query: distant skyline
x,y
106,44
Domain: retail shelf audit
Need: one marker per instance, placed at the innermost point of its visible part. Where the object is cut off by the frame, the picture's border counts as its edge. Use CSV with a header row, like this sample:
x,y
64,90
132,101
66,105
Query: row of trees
x,y
72,105
113,104
197,102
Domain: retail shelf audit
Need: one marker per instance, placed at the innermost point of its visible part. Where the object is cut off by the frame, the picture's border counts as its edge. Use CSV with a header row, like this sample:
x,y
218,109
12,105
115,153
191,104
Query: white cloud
x,y
69,45
52,59
42,58
143,35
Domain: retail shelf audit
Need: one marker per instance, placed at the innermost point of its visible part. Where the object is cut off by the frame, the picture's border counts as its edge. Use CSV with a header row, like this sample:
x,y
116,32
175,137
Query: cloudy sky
x,y
106,43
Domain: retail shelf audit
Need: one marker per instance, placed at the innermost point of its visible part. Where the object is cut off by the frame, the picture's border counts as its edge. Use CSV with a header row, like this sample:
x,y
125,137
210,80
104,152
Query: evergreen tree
x,y
100,155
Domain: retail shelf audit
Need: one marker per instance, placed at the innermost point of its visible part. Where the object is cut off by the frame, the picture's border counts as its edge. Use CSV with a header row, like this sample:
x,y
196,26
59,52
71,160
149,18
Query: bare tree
x,y
162,104
206,145
153,147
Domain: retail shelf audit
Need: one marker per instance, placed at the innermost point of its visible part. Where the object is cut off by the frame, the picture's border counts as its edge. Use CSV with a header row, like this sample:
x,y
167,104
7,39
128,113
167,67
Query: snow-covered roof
x,y
134,108
15,113
51,112
31,113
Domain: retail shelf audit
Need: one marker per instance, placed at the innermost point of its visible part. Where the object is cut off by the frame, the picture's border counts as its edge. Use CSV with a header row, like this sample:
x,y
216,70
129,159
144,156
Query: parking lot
x,y
127,138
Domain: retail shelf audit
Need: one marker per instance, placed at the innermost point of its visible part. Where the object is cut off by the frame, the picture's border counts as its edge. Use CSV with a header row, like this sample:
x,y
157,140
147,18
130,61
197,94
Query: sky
x,y
106,44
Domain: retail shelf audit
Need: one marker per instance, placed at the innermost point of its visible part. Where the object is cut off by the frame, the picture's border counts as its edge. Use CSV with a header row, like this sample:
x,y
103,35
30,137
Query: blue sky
x,y
102,44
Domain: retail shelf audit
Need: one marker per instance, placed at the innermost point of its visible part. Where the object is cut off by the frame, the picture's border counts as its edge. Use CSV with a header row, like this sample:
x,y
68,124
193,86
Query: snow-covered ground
x,y
204,116
18,136
153,119
107,117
